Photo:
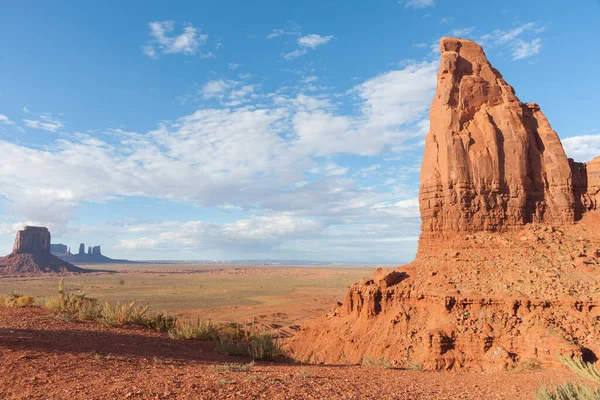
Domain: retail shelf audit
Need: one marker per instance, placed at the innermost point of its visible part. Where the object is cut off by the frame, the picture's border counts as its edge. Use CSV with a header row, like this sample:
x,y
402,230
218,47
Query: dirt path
x,y
42,357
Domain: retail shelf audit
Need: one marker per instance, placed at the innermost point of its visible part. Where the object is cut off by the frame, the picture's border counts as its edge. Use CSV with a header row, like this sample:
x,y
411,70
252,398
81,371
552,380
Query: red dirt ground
x,y
42,357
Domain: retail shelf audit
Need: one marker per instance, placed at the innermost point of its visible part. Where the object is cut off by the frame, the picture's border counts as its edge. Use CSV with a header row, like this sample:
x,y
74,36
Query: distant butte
x,y
31,255
508,264
93,256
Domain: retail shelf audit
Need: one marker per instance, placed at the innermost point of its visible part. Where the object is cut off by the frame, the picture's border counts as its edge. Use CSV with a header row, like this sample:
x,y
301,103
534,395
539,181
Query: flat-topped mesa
x,y
491,163
32,239
31,255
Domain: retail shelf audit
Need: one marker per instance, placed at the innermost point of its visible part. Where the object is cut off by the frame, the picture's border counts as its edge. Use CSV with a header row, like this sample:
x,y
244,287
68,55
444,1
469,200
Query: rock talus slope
x,y
31,255
508,264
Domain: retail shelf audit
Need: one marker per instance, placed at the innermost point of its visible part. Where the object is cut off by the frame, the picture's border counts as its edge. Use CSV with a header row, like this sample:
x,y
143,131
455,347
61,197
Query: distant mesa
x,y
31,255
92,256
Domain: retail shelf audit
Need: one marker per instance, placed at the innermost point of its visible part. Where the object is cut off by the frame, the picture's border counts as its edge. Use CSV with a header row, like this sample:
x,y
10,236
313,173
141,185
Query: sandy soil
x,y
42,357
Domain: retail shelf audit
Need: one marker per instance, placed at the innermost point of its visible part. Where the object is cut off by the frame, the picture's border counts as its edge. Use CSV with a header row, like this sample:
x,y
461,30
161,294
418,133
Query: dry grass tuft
x,y
573,390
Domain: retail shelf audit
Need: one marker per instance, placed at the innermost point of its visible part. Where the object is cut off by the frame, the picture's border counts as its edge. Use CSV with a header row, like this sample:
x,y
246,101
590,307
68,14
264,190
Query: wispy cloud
x,y
313,41
163,41
418,3
293,29
5,120
307,42
294,54
462,32
525,49
46,123
512,41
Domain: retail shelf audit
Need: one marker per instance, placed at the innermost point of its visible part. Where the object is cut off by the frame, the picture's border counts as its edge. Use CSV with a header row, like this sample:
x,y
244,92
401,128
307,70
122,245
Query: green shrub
x,y
263,346
230,347
573,390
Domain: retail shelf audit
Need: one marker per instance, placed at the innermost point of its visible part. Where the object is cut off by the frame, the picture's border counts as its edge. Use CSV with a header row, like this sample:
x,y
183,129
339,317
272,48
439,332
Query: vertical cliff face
x,y
482,297
33,239
491,162
31,255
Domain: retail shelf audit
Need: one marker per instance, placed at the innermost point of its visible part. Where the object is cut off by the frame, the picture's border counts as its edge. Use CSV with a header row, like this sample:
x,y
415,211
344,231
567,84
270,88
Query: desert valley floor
x,y
43,357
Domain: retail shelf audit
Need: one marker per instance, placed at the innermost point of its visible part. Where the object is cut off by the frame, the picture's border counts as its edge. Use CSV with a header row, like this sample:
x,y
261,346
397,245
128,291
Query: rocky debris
x,y
31,255
508,264
491,162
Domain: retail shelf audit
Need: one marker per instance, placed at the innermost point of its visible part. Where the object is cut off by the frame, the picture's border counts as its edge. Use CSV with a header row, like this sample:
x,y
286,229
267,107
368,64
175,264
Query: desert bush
x,y
77,304
197,329
16,300
381,362
263,346
573,390
230,347
71,302
136,314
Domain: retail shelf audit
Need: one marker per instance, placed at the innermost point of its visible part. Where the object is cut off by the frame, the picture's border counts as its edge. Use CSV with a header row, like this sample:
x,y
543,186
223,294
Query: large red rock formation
x,y
491,162
508,264
31,255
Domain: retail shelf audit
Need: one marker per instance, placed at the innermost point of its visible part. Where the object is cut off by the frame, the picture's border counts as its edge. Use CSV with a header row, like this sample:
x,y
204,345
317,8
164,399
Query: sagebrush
x,y
574,390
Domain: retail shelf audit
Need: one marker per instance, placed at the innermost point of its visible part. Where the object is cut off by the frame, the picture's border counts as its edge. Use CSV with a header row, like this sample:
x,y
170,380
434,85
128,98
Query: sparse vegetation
x,y
16,300
573,390
78,305
265,347
528,365
234,367
195,330
230,347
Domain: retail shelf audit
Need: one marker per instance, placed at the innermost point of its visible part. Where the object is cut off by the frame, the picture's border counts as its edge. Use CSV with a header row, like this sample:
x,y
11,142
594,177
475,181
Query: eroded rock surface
x,y
31,255
491,162
508,266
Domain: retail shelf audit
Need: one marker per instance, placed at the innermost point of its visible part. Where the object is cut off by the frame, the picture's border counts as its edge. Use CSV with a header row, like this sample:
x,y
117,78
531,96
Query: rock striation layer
x,y
31,255
491,162
508,265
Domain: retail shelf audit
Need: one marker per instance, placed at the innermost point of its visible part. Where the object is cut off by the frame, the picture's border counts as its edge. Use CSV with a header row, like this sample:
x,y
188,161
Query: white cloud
x,y
307,42
313,41
46,123
309,79
162,40
294,54
511,40
582,147
526,49
462,32
275,158
292,30
233,65
216,88
418,3
5,120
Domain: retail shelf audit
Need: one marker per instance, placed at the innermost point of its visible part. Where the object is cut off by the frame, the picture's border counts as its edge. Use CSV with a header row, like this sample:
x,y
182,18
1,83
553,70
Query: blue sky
x,y
267,129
